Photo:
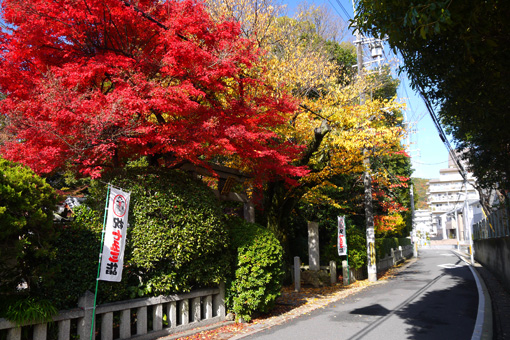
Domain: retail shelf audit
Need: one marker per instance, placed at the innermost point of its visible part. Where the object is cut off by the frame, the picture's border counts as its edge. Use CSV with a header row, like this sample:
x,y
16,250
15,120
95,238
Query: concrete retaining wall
x,y
494,254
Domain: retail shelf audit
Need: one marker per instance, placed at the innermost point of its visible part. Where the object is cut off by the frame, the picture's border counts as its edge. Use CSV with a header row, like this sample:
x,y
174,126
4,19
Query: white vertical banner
x,y
342,238
112,258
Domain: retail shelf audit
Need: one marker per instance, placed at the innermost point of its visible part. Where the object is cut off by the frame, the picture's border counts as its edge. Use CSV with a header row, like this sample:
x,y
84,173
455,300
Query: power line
x,y
442,135
343,9
336,10
430,163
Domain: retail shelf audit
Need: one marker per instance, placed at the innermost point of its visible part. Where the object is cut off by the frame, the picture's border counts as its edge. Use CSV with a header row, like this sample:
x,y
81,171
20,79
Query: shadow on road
x,y
444,308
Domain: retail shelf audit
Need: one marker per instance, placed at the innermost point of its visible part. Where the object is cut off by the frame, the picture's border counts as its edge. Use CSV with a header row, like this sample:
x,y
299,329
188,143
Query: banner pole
x,y
99,262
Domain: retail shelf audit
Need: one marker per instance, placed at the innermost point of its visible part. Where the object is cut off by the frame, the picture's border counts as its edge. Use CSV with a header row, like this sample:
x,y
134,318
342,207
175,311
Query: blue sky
x,y
428,153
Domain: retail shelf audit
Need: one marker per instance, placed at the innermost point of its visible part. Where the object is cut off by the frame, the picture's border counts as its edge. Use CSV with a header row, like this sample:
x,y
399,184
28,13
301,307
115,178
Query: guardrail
x,y
129,319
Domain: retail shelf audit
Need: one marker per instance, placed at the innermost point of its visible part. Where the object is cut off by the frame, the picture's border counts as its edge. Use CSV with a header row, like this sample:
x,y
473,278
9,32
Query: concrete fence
x,y
164,314
493,226
491,244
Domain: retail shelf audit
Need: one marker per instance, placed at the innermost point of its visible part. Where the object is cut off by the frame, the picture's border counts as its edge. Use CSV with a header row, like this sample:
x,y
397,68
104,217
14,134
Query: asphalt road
x,y
436,298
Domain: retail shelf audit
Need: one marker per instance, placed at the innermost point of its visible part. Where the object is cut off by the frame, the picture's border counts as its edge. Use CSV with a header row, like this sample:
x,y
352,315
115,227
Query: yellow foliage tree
x,y
329,118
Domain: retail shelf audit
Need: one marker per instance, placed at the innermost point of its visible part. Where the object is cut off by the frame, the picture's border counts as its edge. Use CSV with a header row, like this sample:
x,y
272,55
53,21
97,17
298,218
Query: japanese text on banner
x,y
112,258
342,238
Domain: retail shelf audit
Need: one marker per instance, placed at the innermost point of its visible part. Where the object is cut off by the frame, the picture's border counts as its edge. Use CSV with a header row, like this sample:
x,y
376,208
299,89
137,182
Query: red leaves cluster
x,y
94,83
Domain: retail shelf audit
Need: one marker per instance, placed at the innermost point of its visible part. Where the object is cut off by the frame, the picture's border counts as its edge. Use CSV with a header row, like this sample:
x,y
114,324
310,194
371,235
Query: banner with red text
x,y
112,258
342,238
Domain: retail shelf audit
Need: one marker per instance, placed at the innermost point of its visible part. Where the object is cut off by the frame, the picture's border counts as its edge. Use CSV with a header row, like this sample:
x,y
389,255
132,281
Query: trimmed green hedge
x,y
383,246
257,280
176,240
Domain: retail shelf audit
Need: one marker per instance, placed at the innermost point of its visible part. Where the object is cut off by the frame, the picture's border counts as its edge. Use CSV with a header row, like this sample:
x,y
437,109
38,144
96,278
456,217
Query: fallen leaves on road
x,y
292,304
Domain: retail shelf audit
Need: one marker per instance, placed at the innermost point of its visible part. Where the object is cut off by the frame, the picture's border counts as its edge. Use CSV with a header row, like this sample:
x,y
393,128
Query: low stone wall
x,y
494,254
397,256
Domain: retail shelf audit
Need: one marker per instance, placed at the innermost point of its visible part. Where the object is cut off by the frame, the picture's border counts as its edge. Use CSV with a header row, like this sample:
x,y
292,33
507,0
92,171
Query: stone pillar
x,y
345,273
208,307
141,320
172,314
297,274
249,212
184,312
313,246
196,311
14,333
219,302
125,324
64,329
86,302
157,317
107,326
332,271
40,331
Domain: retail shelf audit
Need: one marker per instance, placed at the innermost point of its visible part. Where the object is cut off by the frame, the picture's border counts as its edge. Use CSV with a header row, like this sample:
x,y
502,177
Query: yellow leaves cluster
x,y
296,61
256,16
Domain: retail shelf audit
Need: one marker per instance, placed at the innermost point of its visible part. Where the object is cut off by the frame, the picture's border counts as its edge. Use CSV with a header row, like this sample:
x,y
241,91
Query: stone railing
x,y
397,256
133,318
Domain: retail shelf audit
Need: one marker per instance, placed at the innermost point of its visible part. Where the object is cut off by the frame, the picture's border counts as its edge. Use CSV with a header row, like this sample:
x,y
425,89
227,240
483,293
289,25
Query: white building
x,y
423,223
447,197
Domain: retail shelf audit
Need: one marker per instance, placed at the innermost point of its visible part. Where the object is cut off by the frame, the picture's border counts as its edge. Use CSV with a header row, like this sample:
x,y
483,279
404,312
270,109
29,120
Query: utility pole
x,y
367,181
413,231
466,220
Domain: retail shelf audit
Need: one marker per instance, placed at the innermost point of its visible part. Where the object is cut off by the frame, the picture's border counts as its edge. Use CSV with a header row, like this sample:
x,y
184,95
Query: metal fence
x,y
493,226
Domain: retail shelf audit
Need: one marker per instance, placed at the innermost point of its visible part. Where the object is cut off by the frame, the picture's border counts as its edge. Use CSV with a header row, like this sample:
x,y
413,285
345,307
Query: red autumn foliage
x,y
91,84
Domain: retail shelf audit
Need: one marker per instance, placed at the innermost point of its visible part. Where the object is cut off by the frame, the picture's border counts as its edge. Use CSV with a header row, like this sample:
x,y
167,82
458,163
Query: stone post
x,y
345,273
297,274
106,326
332,271
86,302
172,314
125,324
313,246
157,317
219,302
141,320
184,312
249,212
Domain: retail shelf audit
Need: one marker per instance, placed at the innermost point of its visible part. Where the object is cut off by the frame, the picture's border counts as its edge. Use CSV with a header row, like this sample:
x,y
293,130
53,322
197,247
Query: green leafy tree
x,y
456,53
27,203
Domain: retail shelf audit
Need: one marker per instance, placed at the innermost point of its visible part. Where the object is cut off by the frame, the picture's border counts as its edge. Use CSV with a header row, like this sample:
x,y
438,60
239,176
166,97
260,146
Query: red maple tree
x,y
91,84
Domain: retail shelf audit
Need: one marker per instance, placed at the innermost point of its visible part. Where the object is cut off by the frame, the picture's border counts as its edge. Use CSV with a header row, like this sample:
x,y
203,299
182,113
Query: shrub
x,y
383,246
257,280
176,239
77,252
356,247
27,203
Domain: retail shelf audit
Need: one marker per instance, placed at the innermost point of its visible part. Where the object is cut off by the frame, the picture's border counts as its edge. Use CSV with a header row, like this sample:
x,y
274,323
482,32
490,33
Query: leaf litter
x,y
292,304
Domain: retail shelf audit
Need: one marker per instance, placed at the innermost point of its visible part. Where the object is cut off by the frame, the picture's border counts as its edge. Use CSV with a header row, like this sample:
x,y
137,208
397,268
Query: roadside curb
x,y
484,318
